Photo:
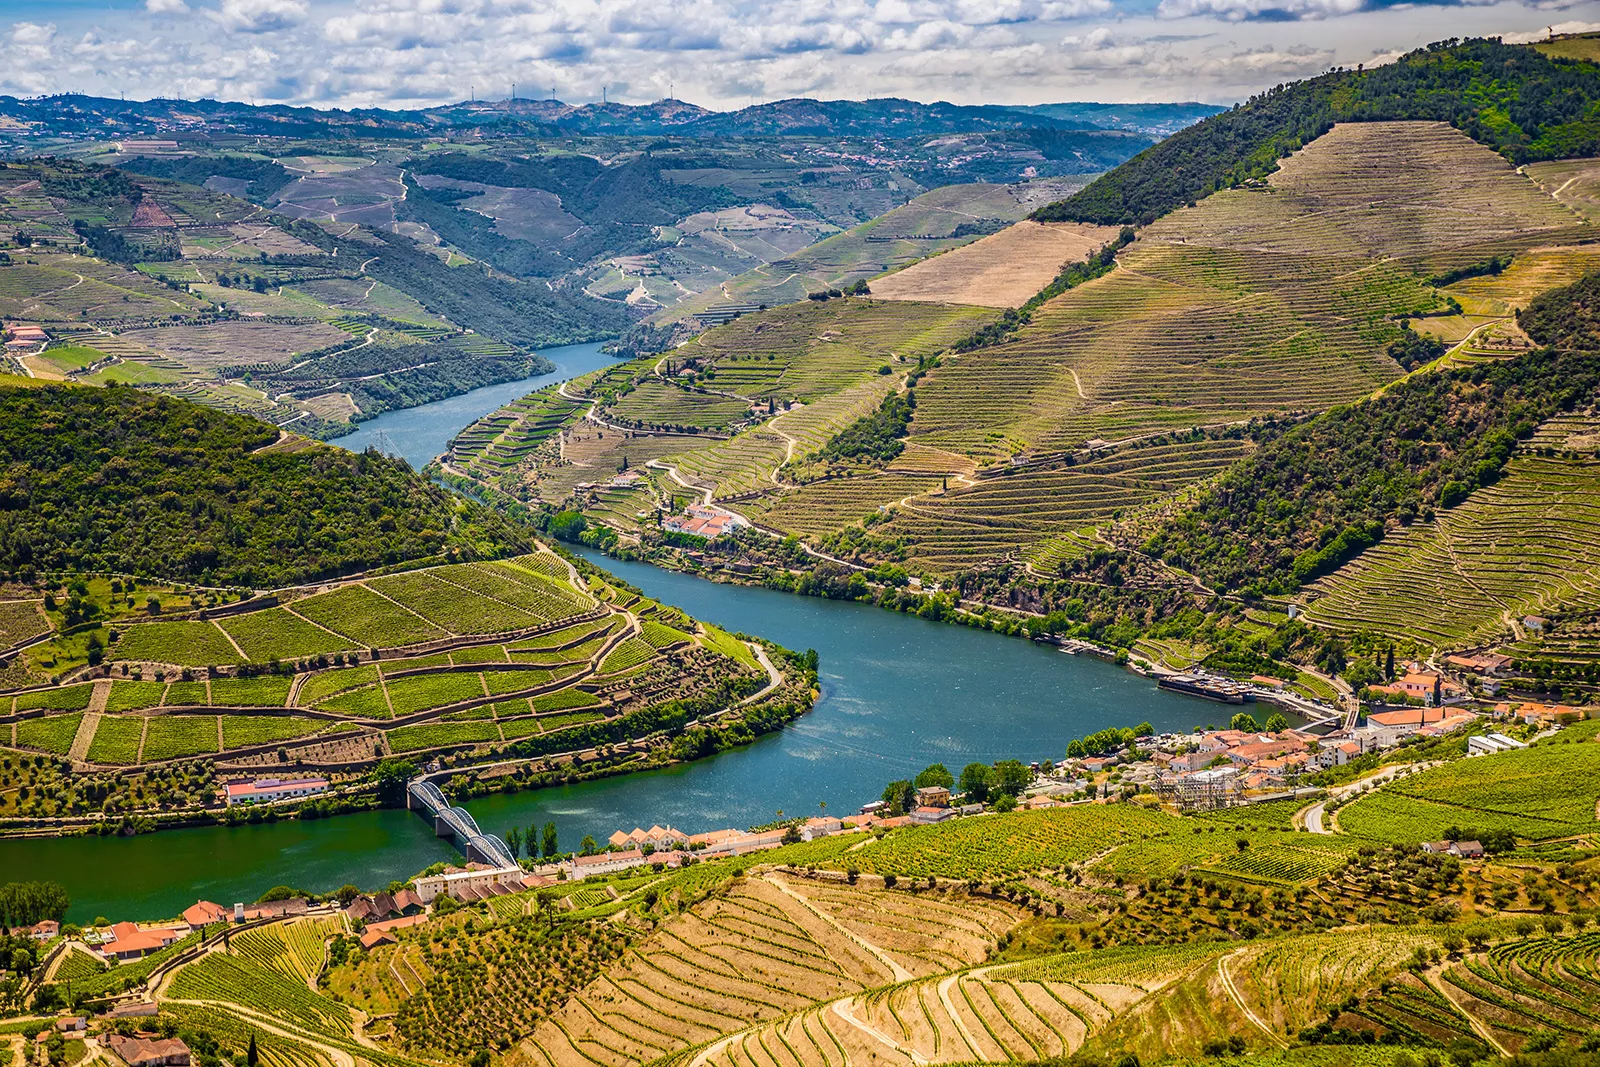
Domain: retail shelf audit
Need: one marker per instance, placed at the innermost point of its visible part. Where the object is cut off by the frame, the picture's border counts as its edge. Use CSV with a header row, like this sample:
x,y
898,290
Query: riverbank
x,y
896,693
421,433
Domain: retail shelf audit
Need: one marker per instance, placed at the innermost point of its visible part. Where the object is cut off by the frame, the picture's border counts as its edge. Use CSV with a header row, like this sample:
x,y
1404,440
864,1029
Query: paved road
x,y
1313,817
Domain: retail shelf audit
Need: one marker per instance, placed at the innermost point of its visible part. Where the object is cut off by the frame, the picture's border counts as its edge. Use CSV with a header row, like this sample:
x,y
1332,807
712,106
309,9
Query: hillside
x,y
121,480
192,292
189,593
1521,102
924,226
78,117
1144,368
1113,933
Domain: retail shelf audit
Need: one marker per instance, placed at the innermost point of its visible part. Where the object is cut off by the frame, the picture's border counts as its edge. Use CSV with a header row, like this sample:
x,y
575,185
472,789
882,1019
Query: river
x,y
898,693
419,434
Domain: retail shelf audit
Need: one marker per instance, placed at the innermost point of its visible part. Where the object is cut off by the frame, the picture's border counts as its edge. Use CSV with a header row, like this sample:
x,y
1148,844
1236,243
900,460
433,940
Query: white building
x,y
268,790
469,884
1491,743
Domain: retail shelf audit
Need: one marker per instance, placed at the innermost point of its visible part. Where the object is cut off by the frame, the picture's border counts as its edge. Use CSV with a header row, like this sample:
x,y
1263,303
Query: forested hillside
x,y
120,480
1520,102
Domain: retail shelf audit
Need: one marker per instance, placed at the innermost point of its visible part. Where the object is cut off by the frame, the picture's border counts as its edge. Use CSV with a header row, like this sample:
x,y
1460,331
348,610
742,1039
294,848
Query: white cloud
x,y
1237,10
260,16
1558,28
726,53
32,34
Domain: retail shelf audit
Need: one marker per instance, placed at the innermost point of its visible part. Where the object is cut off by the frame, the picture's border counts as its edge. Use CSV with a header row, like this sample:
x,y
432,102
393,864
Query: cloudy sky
x,y
723,53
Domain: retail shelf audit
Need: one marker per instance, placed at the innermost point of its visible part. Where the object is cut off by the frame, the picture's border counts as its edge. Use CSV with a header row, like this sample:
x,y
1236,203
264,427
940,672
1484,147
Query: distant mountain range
x,y
78,117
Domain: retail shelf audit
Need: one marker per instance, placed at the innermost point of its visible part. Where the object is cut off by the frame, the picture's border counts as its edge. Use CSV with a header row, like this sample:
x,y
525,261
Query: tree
x,y
27,903
935,774
1005,802
1011,776
900,795
588,845
551,847
514,841
568,525
1276,722
975,780
1244,722
1388,665
392,777
251,1056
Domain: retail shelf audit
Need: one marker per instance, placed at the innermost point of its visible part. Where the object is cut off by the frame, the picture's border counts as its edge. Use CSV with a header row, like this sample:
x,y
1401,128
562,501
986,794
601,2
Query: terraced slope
x,y
762,950
1252,301
1030,514
1523,546
470,656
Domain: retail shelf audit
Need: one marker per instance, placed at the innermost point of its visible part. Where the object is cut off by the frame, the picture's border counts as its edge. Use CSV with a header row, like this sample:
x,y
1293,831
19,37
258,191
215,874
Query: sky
x,y
724,53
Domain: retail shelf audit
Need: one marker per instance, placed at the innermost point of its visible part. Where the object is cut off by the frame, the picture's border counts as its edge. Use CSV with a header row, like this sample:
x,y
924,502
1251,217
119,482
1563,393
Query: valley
x,y
1070,585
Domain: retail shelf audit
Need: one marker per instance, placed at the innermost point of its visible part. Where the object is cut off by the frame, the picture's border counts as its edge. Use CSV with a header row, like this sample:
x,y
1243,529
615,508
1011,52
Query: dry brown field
x,y
1004,269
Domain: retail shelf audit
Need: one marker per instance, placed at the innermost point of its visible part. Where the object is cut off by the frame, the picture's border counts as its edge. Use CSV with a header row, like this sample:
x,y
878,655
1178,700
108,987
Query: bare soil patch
x,y
1001,270
224,344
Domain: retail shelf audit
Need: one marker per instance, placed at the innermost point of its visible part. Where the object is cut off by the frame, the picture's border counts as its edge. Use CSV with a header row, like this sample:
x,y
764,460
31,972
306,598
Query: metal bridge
x,y
426,799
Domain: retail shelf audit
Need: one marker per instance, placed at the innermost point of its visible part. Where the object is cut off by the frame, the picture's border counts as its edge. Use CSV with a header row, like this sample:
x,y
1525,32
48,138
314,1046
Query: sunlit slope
x,y
939,219
1004,269
1270,299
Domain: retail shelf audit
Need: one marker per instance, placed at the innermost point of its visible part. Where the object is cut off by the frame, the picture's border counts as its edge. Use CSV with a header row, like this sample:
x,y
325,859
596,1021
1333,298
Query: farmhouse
x,y
150,1051
705,520
373,938
268,790
204,913
379,906
1546,713
131,943
923,816
25,340
1485,663
933,796
43,930
1535,624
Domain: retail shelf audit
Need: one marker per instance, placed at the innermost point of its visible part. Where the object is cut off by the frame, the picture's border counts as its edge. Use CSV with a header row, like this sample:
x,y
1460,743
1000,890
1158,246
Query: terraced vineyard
x,y
1017,514
1536,793
1252,300
760,951
1523,546
1531,987
465,657
1020,1012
